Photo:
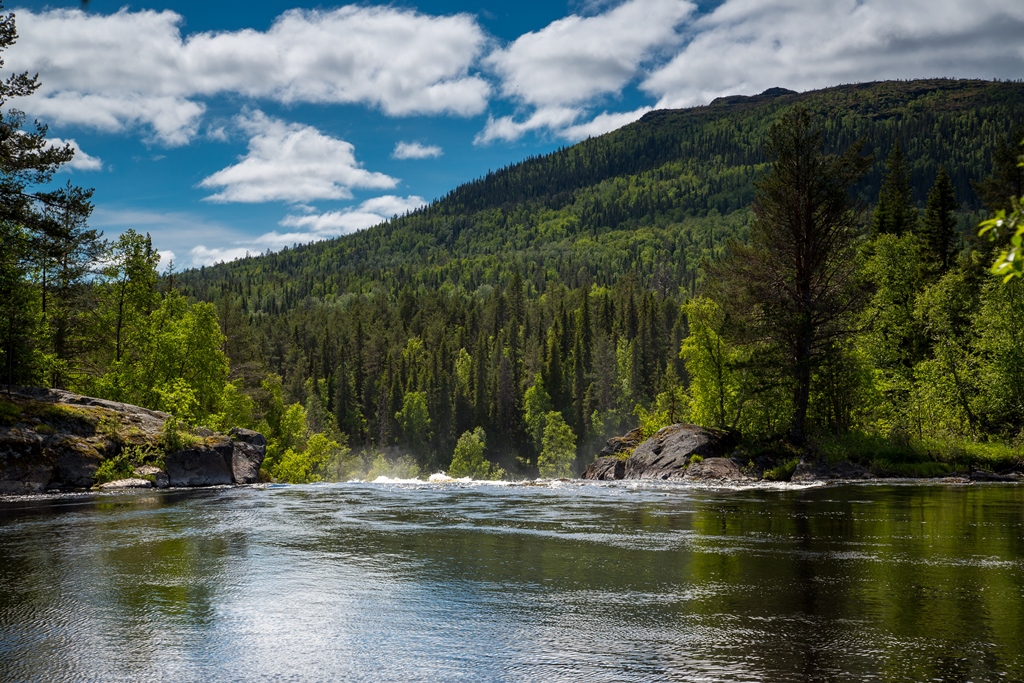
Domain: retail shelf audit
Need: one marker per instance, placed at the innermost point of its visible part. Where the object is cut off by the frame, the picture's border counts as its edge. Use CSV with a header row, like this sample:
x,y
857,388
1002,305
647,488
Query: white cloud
x,y
746,46
415,150
116,71
369,213
304,229
208,256
291,162
601,124
507,128
81,161
561,122
560,69
577,58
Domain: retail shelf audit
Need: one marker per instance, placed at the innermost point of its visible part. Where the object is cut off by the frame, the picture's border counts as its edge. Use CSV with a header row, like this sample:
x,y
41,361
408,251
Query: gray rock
x,y
667,454
205,464
160,478
24,466
76,459
821,471
606,469
127,484
249,450
716,470
621,444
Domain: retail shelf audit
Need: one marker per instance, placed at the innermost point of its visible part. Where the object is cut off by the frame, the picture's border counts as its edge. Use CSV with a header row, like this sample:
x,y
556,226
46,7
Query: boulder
x,y
716,470
132,483
160,478
76,459
24,465
621,444
821,471
605,469
667,454
249,449
208,463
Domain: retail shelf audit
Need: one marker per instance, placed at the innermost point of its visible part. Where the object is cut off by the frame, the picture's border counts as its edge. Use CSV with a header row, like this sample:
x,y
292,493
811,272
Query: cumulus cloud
x,y
561,69
369,213
304,229
81,161
746,46
115,71
577,58
291,162
415,150
601,124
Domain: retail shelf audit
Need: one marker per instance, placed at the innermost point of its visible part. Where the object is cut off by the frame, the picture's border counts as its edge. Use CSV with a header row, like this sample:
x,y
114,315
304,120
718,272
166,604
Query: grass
x,y
10,413
919,457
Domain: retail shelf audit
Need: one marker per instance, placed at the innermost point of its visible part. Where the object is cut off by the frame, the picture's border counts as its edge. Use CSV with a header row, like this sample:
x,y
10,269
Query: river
x,y
562,581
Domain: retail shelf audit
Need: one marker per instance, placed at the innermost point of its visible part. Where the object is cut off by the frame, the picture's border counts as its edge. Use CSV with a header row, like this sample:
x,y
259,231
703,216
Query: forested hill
x,y
597,209
541,303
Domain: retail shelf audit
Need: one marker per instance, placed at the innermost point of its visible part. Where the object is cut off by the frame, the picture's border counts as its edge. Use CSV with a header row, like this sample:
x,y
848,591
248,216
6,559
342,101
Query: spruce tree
x,y
895,213
938,231
794,285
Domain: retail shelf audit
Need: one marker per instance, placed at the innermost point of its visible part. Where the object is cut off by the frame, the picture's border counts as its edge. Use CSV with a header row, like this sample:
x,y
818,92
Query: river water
x,y
487,582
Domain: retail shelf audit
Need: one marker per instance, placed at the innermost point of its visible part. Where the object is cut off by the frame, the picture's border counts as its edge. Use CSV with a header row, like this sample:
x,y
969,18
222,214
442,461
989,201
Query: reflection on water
x,y
577,581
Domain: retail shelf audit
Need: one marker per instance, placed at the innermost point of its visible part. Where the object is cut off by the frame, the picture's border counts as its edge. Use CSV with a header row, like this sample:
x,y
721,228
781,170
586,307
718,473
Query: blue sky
x,y
223,128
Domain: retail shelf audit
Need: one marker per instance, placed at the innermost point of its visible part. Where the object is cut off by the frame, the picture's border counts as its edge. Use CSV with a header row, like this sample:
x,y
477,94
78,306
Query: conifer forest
x,y
641,278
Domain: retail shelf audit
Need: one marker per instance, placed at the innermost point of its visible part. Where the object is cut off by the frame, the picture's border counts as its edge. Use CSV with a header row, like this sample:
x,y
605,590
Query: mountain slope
x,y
595,207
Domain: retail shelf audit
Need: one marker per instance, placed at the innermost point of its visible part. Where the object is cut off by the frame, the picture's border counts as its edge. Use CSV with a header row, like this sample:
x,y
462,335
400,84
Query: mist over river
x,y
560,581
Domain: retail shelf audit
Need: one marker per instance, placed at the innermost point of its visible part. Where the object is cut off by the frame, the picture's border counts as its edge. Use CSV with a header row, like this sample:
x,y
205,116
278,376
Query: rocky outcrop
x,y
808,472
55,440
666,455
618,445
250,448
204,464
607,468
716,470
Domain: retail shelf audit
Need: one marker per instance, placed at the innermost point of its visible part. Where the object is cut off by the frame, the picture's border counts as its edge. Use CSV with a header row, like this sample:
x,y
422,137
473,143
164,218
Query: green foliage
x,y
234,409
1007,225
536,406
895,213
122,465
939,228
414,419
311,464
559,448
10,413
468,459
783,472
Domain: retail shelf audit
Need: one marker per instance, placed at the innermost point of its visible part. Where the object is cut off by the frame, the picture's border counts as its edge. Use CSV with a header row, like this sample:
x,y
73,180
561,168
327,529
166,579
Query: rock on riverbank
x,y
669,454
56,440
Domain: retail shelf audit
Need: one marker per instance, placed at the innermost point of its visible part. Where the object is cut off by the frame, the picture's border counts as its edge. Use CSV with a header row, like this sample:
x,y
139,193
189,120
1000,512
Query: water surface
x,y
571,581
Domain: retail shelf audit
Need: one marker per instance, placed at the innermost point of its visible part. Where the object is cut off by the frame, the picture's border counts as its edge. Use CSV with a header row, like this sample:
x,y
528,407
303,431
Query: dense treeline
x,y
555,285
520,321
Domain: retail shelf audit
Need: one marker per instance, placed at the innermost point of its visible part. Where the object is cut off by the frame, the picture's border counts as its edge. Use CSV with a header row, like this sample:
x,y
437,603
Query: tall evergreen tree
x,y
938,230
895,213
794,283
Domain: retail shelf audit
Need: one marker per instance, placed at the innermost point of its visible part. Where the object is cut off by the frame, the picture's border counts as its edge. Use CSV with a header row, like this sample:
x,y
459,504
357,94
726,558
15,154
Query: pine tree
x,y
938,231
895,213
794,283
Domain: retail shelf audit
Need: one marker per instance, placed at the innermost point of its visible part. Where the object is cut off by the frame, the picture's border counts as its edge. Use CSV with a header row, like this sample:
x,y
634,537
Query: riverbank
x,y
687,452
53,440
